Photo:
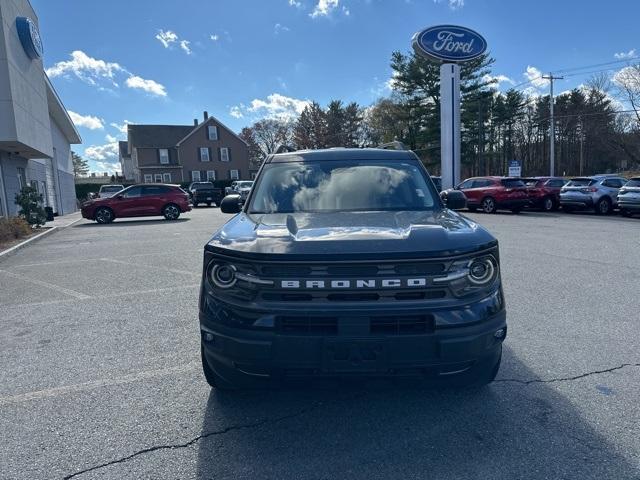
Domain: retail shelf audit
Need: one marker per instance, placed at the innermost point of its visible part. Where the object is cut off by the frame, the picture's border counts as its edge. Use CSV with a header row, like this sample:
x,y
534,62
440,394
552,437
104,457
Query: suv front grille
x,y
330,325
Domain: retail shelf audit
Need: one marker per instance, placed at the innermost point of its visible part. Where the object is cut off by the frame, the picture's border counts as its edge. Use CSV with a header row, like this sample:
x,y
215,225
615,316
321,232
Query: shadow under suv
x,y
599,193
347,262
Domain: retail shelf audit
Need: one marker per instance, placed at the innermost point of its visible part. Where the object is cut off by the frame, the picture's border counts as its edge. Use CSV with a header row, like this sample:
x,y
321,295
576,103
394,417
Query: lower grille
x,y
388,325
400,325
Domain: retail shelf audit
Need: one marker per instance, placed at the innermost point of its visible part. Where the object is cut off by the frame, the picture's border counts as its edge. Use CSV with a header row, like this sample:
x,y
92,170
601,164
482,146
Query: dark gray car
x,y
599,193
629,197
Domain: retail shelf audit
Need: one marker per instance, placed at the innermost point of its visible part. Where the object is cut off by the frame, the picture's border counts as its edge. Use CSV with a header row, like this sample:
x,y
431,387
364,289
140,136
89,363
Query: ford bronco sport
x,y
346,262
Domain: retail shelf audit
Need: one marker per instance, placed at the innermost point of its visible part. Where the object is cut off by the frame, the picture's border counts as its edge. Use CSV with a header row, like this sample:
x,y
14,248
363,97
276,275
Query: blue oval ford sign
x,y
449,43
29,37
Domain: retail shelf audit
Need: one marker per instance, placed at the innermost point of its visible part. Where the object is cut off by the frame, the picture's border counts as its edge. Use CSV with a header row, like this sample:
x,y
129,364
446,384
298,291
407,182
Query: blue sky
x,y
166,61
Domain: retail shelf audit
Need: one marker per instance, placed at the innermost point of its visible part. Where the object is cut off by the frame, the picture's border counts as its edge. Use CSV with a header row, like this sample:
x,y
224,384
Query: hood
x,y
365,234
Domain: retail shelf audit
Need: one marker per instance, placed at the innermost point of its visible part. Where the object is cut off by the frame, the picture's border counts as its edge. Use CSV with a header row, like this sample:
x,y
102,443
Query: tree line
x,y
594,134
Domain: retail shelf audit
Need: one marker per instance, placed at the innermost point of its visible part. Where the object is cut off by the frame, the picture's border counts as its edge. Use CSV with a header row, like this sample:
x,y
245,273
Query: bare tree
x,y
627,82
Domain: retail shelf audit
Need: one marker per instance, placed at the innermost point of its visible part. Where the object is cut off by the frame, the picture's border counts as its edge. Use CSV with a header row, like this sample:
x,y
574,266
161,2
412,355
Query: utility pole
x,y
581,146
552,141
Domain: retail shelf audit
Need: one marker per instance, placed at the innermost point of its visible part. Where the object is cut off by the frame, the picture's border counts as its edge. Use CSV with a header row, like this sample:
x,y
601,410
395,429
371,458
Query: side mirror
x,y
231,204
454,199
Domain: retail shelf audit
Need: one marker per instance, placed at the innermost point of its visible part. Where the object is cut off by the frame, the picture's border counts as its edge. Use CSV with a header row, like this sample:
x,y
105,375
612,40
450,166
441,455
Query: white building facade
x,y
36,132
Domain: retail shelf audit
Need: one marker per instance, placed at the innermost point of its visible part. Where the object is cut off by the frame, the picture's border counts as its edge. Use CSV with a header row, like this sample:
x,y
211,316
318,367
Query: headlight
x,y
223,275
470,275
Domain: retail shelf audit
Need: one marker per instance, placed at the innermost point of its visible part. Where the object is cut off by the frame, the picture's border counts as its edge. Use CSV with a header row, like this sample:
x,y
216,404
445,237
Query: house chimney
x,y
206,116
195,122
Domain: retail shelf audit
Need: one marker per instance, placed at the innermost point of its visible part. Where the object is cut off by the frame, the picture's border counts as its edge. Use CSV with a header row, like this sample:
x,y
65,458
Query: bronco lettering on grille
x,y
384,283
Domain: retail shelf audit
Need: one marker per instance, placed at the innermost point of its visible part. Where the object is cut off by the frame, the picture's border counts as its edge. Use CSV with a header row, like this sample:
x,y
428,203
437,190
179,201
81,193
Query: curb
x,y
15,248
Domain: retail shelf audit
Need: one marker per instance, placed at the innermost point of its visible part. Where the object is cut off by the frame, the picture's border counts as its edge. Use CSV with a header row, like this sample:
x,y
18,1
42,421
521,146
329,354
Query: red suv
x,y
139,201
544,192
495,193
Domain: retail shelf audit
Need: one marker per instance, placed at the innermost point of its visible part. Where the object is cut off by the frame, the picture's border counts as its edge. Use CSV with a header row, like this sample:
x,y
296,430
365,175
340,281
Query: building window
x,y
22,179
212,132
148,178
234,174
224,154
158,177
195,176
166,177
204,154
164,155
211,175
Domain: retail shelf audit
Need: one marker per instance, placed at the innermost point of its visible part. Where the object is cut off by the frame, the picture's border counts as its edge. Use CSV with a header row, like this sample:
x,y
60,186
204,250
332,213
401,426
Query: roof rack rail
x,y
282,148
395,145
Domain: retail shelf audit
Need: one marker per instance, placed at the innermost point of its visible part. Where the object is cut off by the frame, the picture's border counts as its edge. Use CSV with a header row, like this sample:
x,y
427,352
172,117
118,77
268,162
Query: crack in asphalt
x,y
566,379
195,440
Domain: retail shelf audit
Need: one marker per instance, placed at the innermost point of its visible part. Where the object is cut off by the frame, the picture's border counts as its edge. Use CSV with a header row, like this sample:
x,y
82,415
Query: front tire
x,y
488,205
171,212
516,210
625,213
548,204
104,215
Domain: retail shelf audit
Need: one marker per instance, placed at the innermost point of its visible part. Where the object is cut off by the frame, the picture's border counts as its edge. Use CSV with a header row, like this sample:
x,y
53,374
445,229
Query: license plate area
x,y
354,355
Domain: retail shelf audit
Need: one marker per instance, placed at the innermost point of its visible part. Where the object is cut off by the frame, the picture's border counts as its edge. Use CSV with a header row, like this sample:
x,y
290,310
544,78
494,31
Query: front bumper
x,y
242,353
629,204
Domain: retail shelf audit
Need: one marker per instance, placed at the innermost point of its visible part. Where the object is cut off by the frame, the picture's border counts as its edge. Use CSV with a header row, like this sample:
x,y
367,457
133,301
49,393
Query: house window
x,y
212,132
148,178
164,155
166,177
224,154
234,174
22,179
158,177
204,154
211,175
195,176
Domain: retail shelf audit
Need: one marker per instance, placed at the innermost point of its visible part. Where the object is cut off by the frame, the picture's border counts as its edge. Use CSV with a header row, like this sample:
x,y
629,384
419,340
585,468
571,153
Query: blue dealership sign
x,y
449,43
29,37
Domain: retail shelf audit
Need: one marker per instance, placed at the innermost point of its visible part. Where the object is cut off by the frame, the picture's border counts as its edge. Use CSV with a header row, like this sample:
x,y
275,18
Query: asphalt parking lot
x,y
101,374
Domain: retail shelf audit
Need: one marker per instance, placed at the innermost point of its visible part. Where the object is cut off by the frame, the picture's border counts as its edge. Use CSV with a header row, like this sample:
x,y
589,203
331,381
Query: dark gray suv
x,y
599,193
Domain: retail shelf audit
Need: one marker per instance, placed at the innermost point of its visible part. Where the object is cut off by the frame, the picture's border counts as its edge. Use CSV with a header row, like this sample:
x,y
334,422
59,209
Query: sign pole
x,y
450,124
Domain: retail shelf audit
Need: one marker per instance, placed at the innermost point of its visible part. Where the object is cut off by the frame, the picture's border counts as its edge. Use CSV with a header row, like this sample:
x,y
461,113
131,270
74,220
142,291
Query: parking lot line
x,y
51,286
156,267
107,382
92,259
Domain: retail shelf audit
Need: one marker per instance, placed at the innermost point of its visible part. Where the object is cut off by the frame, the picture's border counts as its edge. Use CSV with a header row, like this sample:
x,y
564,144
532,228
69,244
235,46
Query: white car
x,y
242,188
107,191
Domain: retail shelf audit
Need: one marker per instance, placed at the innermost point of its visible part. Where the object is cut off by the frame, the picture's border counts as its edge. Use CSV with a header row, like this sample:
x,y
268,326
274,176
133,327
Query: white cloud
x,y
236,111
86,68
110,138
624,55
535,77
166,38
86,121
274,106
122,128
184,45
497,80
324,7
101,153
149,86
278,28
214,37
295,3
110,167
453,4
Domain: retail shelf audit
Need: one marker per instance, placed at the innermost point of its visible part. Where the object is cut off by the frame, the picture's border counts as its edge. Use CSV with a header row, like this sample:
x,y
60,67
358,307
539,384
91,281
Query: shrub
x,y
12,228
30,203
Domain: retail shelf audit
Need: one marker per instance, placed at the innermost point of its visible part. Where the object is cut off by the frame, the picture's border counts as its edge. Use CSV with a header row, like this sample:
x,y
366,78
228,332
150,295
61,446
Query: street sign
x,y
449,43
515,168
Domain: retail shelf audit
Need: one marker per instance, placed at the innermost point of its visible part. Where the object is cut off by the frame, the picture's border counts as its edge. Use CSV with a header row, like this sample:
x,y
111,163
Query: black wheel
x,y
603,207
195,204
208,204
488,205
104,215
567,209
548,204
516,210
625,213
171,211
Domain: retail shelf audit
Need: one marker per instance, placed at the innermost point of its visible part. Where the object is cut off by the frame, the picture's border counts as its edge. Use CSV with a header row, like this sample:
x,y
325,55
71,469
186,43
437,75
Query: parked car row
x,y
601,193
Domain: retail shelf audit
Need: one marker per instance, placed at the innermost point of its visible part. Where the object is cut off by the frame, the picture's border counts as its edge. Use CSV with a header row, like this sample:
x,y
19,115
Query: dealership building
x,y
36,132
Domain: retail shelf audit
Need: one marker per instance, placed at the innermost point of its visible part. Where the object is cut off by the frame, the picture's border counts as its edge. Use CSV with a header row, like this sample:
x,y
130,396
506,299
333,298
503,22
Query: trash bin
x,y
49,212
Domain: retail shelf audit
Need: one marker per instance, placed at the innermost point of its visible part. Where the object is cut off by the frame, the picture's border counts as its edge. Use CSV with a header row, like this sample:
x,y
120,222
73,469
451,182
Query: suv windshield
x,y
634,182
334,186
244,184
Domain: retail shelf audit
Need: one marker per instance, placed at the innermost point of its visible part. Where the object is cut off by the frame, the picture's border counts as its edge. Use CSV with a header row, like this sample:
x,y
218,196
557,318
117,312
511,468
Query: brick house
x,y
179,153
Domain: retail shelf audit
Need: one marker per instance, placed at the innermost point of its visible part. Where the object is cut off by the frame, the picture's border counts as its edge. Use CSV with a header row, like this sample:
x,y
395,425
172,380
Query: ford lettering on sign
x,y
449,43
29,37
